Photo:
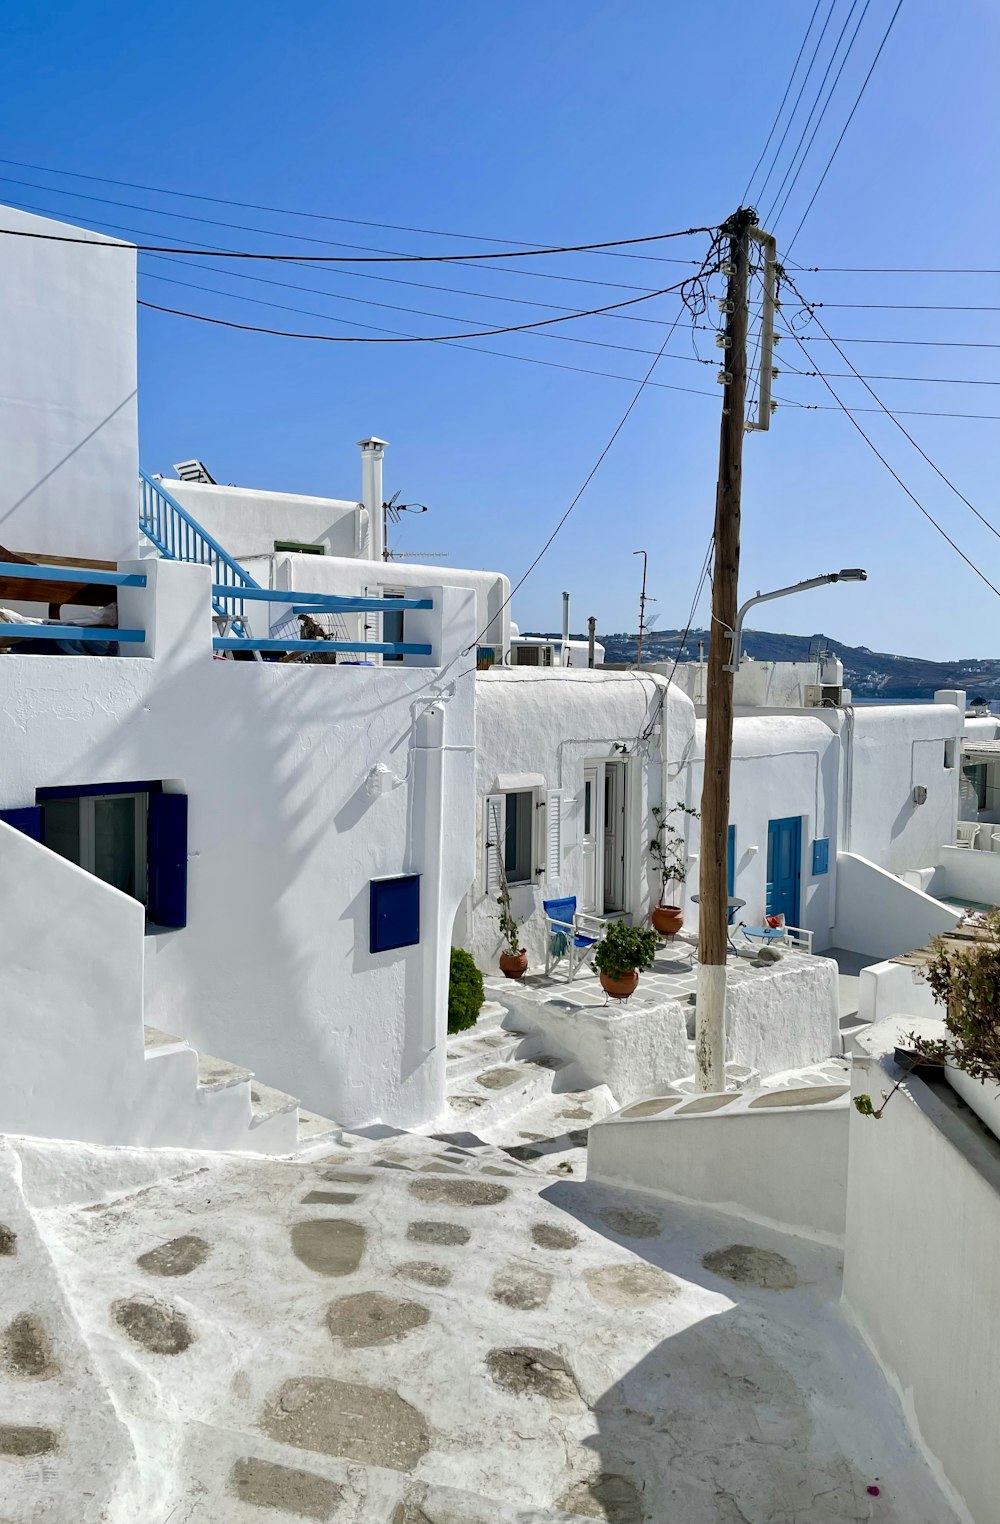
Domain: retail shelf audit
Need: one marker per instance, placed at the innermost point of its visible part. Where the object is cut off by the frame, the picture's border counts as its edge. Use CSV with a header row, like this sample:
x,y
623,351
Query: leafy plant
x,y
624,948
668,848
465,991
508,926
966,981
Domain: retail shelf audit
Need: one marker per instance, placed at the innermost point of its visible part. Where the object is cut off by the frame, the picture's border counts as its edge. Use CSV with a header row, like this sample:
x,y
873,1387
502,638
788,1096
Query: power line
x,y
905,432
798,98
281,211
771,218
194,247
891,270
437,338
850,118
777,118
355,259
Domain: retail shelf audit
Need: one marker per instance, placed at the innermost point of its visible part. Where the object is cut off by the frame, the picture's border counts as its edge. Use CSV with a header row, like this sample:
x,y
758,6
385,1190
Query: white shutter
x,y
553,823
494,823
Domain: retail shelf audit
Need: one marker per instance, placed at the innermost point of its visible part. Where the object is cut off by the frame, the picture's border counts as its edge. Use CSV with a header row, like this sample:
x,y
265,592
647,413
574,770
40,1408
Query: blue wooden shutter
x,y
167,859
821,856
27,820
731,861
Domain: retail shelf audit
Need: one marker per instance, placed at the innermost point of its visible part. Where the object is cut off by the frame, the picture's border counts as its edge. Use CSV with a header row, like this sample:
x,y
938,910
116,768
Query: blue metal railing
x,y
317,603
358,647
89,634
179,537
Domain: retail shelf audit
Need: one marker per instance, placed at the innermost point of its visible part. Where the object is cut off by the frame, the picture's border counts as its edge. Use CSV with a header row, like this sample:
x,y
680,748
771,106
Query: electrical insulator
x,y
774,407
776,338
728,268
724,377
775,373
723,341
725,305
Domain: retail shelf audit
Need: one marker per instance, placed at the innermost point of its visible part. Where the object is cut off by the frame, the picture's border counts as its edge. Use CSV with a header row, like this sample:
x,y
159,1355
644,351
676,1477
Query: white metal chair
x,y
798,937
569,933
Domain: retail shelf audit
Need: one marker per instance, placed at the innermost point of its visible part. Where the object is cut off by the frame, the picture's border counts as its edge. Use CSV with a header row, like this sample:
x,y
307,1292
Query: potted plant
x,y
667,849
620,954
514,958
966,982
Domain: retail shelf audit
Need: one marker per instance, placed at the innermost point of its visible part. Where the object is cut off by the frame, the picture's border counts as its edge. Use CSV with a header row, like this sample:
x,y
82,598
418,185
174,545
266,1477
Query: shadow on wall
x,y
721,1421
67,457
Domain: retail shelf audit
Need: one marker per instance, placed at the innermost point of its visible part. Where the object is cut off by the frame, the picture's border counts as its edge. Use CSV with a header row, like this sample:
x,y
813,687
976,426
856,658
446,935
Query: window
x,y
132,836
975,774
950,747
103,833
299,548
519,836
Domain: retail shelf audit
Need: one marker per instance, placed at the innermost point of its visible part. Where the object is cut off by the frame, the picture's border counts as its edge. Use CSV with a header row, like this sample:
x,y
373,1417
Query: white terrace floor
x,y
412,1332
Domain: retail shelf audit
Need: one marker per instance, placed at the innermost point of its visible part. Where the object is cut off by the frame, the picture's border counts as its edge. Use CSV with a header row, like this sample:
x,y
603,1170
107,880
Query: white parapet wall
x,y
879,915
894,989
922,1271
774,1157
968,875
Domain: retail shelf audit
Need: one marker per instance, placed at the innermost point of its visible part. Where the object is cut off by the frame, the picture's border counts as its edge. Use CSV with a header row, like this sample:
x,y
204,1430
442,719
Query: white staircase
x,y
217,1104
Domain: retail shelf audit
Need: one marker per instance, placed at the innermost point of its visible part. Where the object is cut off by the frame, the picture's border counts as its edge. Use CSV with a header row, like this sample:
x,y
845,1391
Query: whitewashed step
x,y
499,1091
474,1053
219,1073
316,1131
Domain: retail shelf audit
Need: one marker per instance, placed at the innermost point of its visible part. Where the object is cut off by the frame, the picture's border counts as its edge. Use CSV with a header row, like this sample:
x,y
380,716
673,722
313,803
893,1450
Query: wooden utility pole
x,y
713,906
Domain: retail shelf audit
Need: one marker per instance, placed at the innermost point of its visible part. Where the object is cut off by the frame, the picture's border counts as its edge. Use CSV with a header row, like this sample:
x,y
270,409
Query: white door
x,y
614,837
592,839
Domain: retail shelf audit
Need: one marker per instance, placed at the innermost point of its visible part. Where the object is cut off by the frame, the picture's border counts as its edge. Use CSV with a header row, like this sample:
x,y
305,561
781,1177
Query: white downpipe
x,y
565,630
710,1017
372,452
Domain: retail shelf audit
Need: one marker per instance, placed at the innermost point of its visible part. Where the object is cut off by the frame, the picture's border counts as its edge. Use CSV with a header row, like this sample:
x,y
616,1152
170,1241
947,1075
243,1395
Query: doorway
x,y
603,838
784,867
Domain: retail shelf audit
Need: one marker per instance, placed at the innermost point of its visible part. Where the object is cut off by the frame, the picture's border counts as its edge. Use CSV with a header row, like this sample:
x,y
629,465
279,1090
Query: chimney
x,y
372,451
565,635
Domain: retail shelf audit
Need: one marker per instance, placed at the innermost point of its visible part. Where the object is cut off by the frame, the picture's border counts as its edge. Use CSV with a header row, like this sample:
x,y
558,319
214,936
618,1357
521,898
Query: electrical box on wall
x,y
394,912
822,696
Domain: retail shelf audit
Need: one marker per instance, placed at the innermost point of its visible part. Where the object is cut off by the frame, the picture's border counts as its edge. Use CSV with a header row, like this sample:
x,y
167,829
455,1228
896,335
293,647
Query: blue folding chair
x,y
570,933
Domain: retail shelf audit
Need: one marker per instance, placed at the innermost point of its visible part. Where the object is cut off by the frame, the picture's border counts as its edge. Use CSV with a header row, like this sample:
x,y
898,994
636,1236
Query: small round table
x,y
733,904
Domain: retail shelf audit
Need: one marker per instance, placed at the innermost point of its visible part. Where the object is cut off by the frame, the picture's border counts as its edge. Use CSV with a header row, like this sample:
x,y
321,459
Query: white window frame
x,y
87,805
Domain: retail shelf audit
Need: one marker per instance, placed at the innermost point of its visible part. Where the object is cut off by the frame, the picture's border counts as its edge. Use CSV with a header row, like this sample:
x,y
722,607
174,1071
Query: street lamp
x,y
846,574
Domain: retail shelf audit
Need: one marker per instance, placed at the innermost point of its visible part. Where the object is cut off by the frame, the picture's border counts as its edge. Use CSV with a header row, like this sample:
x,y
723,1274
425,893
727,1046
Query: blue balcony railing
x,y
88,634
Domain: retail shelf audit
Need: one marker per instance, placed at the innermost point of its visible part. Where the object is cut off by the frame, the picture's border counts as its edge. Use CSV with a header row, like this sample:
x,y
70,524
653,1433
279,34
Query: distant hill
x,y
871,675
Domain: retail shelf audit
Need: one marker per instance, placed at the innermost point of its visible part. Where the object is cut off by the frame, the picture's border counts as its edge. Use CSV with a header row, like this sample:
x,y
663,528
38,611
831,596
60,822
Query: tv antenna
x,y
391,514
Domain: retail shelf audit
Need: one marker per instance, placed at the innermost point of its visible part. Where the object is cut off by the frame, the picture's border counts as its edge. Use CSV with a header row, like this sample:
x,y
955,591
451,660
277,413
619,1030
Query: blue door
x,y
784,866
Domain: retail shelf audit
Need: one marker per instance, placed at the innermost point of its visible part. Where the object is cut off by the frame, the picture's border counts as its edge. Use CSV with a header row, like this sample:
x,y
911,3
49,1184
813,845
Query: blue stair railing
x,y
179,537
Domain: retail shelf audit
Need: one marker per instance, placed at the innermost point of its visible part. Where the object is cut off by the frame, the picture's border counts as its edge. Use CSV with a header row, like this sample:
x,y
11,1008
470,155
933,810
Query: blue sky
x,y
557,122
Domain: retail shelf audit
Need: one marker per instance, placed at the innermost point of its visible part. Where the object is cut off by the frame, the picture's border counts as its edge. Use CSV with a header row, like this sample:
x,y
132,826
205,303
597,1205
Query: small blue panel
x,y
821,856
27,820
395,912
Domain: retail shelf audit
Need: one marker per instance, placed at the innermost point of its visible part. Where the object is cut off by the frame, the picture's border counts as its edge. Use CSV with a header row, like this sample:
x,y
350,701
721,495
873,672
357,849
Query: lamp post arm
x,y
735,636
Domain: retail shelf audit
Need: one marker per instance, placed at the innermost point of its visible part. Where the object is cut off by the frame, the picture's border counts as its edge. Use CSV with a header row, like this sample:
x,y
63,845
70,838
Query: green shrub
x,y
624,948
465,991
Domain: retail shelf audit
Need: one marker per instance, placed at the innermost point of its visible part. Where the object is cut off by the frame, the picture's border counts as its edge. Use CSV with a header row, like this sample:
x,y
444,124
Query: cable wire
x,y
777,118
836,146
798,98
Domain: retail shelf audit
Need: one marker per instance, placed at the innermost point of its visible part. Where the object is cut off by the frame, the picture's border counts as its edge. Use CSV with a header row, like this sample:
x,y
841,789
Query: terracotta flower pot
x,y
667,919
514,965
621,986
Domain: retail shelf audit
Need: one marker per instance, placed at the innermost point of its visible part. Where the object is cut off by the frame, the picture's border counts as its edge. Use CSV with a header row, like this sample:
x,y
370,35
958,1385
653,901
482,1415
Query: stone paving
x,y
429,1331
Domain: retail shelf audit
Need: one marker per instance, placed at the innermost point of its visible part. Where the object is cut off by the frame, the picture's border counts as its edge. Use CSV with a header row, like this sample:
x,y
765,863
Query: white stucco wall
x,y
922,1273
273,969
784,1168
247,521
548,724
967,875
68,436
761,684
783,765
893,749
347,577
881,916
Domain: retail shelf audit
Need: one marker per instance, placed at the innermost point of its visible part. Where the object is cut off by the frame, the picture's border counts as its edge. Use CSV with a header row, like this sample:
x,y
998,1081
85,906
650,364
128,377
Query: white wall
x,y
247,521
273,968
550,724
68,436
922,1273
783,765
348,577
879,915
964,874
761,684
786,1168
893,989
894,748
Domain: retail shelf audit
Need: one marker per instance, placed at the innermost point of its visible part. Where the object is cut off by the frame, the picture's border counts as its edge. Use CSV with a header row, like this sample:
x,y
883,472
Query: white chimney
x,y
372,451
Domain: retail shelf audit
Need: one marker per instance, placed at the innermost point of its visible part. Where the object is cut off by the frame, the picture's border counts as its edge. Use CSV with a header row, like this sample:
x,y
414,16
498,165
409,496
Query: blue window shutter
x,y
27,820
394,913
167,859
731,861
821,856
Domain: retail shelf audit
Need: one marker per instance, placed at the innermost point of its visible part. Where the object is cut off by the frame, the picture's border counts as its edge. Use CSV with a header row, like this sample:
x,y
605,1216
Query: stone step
x,y
160,1043
314,1130
499,1091
485,1051
219,1073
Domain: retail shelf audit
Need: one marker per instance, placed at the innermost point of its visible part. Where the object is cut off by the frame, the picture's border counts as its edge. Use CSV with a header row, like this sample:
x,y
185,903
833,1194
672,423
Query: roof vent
x,y
194,471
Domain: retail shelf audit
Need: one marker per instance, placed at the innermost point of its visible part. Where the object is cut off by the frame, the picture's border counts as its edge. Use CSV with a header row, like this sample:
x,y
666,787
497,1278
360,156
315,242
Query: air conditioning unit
x,y
822,696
